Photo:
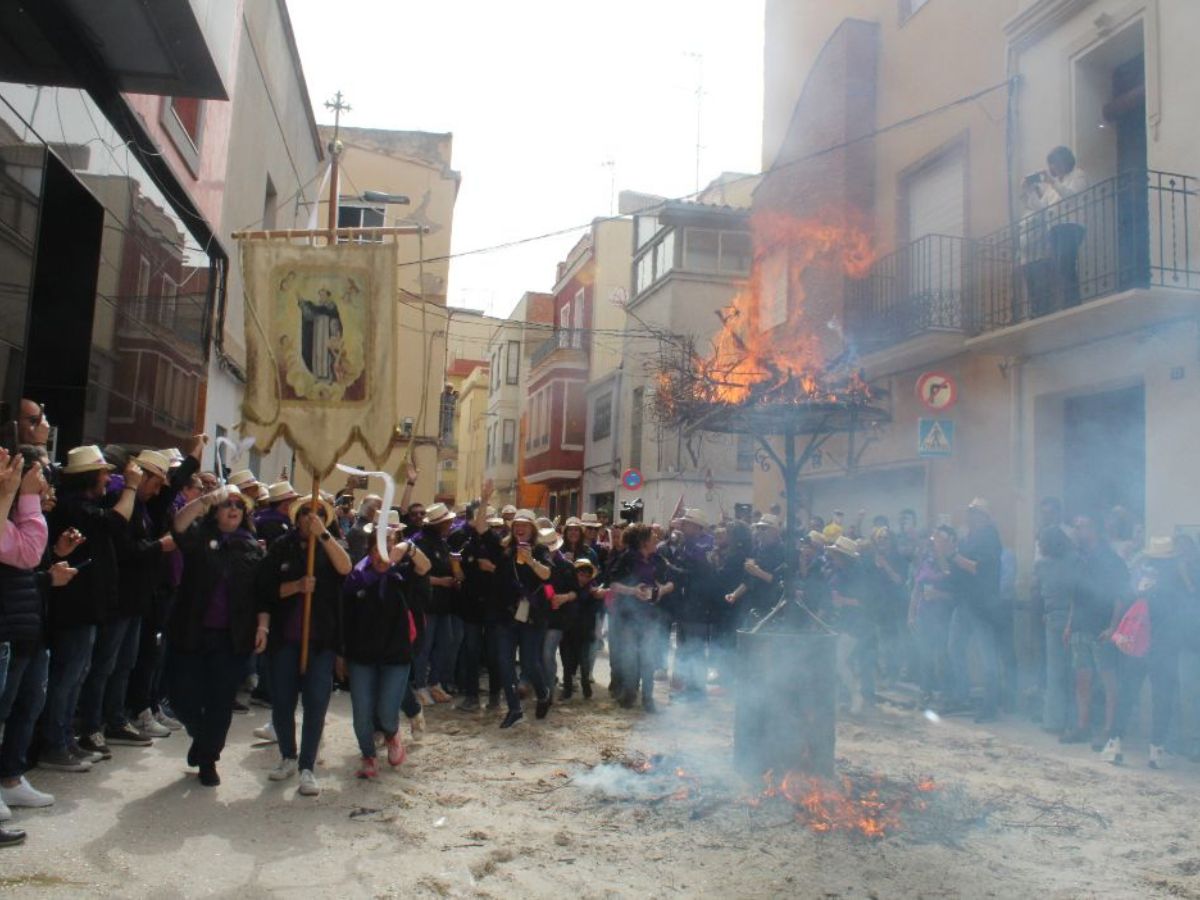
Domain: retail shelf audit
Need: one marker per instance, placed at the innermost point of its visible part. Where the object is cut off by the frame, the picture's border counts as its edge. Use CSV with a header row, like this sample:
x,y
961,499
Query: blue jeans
x,y
932,627
202,687
70,658
21,702
637,631
691,660
286,684
503,640
102,699
376,693
437,651
1059,677
968,626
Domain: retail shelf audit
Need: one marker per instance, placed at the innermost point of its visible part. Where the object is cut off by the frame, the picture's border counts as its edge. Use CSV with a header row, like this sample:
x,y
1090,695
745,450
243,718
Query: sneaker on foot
x,y
95,744
468,704
266,733
514,717
284,770
168,722
1112,752
417,725
395,750
150,726
25,795
10,837
367,769
61,760
423,696
127,735
308,784
439,695
208,774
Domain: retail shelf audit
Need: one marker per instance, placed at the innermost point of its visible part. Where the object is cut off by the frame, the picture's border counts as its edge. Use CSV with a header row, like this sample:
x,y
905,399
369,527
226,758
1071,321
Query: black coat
x,y
287,560
375,617
209,557
440,600
22,607
563,580
91,597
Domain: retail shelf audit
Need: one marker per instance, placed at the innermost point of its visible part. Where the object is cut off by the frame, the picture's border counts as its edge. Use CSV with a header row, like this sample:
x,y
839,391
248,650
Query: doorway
x,y
1104,453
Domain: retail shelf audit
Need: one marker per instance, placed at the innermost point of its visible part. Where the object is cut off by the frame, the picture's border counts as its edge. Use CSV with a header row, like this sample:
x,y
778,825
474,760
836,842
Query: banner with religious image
x,y
319,326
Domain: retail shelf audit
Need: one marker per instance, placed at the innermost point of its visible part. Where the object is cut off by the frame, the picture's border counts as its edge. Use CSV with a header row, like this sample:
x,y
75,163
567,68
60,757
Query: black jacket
x,y
375,617
207,558
441,601
22,607
91,597
287,560
563,581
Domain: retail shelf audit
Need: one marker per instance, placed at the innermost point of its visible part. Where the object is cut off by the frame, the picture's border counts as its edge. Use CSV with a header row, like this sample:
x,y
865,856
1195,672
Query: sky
x,y
540,95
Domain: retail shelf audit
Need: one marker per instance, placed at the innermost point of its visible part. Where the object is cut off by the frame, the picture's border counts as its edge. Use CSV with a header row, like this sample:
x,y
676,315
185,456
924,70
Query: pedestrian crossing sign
x,y
935,437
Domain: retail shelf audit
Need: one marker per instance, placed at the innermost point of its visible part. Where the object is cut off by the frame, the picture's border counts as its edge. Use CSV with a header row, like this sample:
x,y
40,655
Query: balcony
x,y
1113,258
911,303
569,341
1074,263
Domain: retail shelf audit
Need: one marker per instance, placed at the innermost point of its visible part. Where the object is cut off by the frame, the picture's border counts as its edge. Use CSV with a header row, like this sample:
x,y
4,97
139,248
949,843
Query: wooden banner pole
x,y
306,626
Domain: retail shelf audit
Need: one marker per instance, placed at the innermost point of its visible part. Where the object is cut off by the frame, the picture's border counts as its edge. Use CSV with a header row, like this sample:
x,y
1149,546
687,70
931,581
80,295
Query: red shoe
x,y
369,768
395,748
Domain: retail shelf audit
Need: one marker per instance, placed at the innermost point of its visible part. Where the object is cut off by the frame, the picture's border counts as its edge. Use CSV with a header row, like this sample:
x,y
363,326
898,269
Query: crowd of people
x,y
139,595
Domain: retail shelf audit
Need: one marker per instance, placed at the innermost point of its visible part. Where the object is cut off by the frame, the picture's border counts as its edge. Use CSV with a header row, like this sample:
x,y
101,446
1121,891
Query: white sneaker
x,y
285,770
266,733
424,697
148,725
1158,758
5,812
417,724
308,784
1112,752
25,795
167,722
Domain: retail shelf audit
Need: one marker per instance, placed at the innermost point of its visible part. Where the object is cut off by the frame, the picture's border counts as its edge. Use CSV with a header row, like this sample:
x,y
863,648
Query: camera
x,y
631,512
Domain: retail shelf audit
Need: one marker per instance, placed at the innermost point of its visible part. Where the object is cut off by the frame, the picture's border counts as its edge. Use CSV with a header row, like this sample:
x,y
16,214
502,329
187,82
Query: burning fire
x,y
766,341
850,807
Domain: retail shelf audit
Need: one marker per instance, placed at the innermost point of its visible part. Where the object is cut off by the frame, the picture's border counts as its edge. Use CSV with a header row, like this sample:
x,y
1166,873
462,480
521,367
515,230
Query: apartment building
x,y
1075,370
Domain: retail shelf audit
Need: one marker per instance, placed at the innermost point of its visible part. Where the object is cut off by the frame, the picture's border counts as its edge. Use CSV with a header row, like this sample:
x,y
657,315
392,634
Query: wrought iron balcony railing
x,y
1131,231
565,339
917,289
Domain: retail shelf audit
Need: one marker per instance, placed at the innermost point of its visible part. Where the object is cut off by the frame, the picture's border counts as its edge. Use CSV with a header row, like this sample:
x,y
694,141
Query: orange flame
x,y
766,338
849,807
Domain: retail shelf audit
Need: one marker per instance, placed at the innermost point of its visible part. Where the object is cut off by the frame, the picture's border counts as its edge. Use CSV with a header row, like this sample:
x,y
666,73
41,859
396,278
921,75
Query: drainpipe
x,y
616,430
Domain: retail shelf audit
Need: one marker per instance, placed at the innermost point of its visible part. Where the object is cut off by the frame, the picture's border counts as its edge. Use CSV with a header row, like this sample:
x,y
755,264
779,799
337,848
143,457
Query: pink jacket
x,y
23,537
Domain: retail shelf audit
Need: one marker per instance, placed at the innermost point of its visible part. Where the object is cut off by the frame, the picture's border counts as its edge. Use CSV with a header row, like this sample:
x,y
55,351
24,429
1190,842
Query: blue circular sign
x,y
632,479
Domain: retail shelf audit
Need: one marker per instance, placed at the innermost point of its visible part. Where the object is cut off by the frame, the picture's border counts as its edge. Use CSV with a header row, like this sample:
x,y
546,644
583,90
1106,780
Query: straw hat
x,y
768,520
1161,548
242,478
590,520
494,521
153,463
543,522
437,513
695,516
815,538
323,505
846,547
86,459
393,522
509,510
523,515
573,522
281,491
174,454
585,563
550,539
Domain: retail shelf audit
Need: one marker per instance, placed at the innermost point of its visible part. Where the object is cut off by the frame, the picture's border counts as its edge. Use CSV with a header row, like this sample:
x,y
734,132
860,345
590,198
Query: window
x,y
183,120
737,252
141,299
745,452
602,417
645,272
647,227
512,363
494,371
489,453
577,319
187,112
664,255
636,413
508,445
448,405
361,217
717,252
574,414
170,301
